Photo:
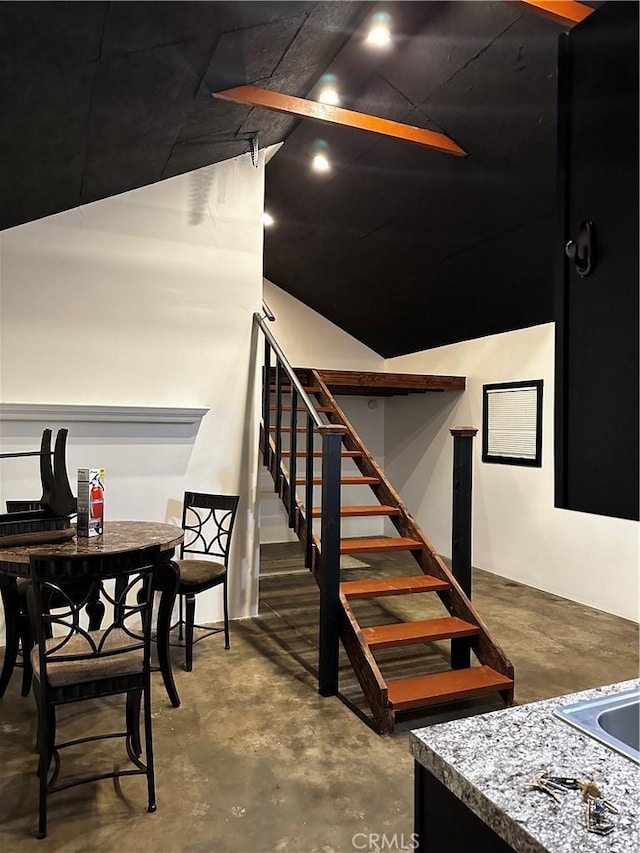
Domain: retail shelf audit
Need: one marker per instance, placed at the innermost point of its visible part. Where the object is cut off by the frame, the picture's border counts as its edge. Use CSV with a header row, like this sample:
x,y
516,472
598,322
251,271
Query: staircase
x,y
459,622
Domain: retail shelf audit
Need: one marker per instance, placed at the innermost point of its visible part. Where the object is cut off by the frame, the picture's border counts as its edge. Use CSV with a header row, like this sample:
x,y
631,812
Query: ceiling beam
x,y
565,12
337,115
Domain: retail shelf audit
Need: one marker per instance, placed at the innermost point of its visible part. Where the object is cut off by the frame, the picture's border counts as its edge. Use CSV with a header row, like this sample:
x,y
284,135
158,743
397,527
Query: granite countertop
x,y
487,760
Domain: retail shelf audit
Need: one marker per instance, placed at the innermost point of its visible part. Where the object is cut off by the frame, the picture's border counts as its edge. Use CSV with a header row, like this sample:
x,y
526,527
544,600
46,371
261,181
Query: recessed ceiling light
x,y
329,90
329,96
267,219
320,163
380,32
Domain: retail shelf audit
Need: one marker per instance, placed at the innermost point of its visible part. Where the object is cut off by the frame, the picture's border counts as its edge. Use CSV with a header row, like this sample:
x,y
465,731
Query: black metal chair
x,y
207,521
71,664
20,618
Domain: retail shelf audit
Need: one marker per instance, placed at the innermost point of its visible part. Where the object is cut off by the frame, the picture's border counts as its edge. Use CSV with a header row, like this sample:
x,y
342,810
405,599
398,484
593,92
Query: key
x,y
566,782
541,785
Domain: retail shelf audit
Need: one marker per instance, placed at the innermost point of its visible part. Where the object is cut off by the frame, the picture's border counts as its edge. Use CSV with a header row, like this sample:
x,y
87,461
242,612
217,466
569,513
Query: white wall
x,y
310,340
144,299
517,532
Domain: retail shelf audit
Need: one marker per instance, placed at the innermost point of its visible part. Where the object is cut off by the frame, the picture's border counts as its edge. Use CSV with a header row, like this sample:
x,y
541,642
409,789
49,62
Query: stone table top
x,y
487,760
117,536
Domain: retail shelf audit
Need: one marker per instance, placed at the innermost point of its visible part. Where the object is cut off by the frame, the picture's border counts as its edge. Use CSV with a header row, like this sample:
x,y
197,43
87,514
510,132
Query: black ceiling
x,y
408,248
99,97
404,247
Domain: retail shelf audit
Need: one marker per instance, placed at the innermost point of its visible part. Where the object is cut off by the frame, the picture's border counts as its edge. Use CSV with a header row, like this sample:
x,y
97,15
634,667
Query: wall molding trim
x,y
60,412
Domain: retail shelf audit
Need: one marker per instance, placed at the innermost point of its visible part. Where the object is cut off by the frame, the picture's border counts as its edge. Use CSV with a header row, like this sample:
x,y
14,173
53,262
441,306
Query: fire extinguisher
x,y
97,503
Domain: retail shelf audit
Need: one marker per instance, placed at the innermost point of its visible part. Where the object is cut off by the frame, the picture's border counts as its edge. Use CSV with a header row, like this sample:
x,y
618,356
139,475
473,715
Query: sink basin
x,y
613,720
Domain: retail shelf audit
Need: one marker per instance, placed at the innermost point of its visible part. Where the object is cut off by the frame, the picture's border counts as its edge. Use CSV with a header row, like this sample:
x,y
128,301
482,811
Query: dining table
x,y
117,536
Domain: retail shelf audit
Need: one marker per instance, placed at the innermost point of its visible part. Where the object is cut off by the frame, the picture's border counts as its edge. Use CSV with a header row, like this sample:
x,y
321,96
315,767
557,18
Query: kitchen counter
x,y
486,761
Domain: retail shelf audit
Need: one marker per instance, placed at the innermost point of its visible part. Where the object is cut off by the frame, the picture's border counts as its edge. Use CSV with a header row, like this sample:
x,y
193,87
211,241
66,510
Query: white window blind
x,y
512,423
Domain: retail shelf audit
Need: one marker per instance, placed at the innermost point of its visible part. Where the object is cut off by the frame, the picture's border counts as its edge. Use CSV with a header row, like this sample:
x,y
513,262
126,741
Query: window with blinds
x,y
512,423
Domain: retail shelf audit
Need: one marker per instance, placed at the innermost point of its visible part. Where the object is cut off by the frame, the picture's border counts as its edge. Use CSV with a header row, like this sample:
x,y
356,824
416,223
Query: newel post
x,y
461,528
329,560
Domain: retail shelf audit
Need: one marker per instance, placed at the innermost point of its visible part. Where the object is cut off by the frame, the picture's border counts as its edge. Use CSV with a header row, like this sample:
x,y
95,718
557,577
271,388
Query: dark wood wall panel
x,y
597,404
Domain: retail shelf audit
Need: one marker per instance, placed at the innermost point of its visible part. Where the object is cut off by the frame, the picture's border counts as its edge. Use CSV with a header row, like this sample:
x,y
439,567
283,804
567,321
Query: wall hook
x,y
582,251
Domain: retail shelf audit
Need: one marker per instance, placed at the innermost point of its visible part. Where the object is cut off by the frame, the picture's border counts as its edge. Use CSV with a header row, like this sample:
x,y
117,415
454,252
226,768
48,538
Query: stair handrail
x,y
295,382
268,313
329,554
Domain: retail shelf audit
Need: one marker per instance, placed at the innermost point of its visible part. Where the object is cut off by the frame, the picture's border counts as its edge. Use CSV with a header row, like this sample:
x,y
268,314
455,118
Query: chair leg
x,y
134,698
225,602
148,739
42,808
190,607
46,742
180,618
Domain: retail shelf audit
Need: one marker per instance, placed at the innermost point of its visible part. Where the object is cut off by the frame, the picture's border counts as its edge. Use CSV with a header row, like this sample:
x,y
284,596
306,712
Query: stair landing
x,y
371,384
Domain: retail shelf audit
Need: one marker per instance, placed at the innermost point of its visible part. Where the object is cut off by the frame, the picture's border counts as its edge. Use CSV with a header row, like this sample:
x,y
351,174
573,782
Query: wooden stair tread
x,y
357,511
396,543
346,481
424,631
288,429
423,690
392,586
317,454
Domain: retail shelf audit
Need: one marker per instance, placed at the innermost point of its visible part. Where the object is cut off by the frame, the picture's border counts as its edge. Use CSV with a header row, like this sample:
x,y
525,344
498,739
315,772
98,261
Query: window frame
x,y
536,462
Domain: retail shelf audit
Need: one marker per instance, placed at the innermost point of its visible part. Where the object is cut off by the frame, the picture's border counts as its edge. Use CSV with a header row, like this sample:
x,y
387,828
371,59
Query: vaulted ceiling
x,y
404,247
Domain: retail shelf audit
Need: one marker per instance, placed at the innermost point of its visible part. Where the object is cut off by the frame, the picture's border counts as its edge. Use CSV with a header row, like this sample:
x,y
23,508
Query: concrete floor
x,y
254,761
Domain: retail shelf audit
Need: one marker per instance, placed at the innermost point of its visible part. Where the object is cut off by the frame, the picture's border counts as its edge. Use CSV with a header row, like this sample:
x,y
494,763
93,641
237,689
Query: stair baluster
x,y
293,461
461,529
266,400
278,436
308,496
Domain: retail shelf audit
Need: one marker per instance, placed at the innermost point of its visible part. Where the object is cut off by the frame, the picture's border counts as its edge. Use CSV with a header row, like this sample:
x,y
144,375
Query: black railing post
x,y
330,561
293,462
308,496
266,401
461,529
277,477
